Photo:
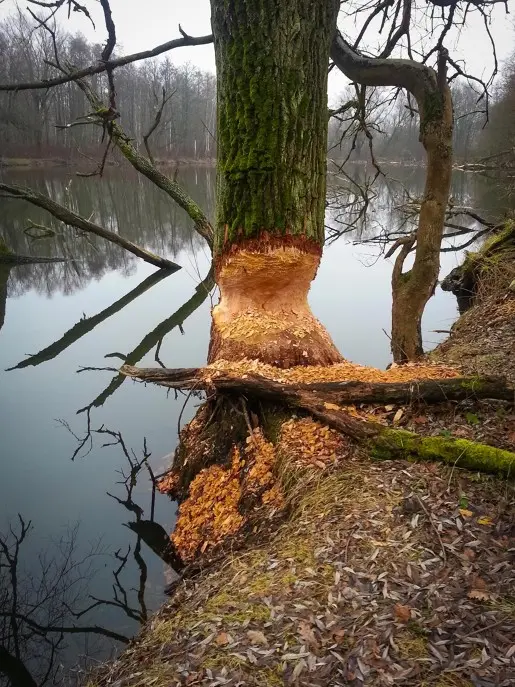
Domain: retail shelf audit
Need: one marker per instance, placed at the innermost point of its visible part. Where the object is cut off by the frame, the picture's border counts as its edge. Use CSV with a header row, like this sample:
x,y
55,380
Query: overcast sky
x,y
144,24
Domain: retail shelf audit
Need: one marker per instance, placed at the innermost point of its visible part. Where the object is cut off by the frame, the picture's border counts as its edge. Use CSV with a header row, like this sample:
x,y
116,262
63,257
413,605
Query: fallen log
x,y
339,393
321,400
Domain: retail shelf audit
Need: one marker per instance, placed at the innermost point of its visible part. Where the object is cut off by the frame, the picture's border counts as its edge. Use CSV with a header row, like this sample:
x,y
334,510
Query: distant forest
x,y
30,120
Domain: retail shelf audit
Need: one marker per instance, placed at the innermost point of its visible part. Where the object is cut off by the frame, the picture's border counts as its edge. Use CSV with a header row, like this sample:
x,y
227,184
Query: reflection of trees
x,y
87,324
4,278
391,210
38,605
127,203
154,338
46,598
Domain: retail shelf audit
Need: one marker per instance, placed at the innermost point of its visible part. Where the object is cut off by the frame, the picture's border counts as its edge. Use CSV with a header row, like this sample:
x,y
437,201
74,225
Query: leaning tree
x,y
272,64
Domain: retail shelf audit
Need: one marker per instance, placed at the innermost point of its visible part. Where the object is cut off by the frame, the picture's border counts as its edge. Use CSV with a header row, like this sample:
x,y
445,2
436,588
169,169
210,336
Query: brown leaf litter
x,y
376,578
482,341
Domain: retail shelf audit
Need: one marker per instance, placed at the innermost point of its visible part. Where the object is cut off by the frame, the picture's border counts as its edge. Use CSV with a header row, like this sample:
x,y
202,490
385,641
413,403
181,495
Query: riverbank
x,y
409,583
367,573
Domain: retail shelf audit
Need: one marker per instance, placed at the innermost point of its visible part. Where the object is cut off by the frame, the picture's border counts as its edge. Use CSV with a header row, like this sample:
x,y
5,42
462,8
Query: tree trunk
x,y
271,63
412,289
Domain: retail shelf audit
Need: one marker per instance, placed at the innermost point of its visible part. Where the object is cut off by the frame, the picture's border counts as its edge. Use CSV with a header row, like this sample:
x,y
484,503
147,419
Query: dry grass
x,y
497,273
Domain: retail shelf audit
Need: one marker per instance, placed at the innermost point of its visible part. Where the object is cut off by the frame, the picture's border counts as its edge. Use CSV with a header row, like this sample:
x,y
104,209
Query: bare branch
x,y
113,64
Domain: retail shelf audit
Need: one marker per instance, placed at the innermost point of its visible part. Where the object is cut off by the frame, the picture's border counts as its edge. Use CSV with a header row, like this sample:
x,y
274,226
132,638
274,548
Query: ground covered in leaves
x,y
383,574
483,339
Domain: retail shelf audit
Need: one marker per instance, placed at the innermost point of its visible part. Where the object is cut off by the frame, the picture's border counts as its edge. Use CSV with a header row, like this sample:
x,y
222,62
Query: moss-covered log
x,y
398,443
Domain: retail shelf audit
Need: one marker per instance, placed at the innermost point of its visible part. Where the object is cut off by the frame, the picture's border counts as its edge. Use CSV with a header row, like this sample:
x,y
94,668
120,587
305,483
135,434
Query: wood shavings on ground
x,y
168,483
211,511
340,372
306,442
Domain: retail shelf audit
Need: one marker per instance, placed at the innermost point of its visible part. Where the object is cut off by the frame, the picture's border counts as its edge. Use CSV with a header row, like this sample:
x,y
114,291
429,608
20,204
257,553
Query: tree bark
x,y
271,63
412,289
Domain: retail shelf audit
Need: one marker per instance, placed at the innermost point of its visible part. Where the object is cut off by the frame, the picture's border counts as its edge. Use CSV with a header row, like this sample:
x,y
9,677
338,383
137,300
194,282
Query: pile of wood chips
x,y
308,443
340,372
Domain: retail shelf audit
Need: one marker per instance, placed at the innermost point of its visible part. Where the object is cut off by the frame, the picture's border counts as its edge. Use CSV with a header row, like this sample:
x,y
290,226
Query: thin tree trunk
x,y
412,289
272,133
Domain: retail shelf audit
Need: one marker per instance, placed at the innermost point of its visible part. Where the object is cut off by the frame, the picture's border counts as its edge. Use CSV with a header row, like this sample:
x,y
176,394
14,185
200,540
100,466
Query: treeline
x,y
394,126
497,144
28,119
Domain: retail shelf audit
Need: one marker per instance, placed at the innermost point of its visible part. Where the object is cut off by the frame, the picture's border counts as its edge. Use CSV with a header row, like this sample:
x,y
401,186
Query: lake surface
x,y
78,314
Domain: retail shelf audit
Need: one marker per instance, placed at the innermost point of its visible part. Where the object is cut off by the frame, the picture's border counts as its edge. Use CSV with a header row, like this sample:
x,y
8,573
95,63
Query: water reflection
x,y
126,203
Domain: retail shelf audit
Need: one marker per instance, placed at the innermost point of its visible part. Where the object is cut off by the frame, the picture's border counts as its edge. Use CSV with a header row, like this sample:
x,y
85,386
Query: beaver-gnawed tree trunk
x,y
271,60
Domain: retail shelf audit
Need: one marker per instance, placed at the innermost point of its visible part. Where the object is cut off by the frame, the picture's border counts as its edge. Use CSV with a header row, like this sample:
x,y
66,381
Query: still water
x,y
105,307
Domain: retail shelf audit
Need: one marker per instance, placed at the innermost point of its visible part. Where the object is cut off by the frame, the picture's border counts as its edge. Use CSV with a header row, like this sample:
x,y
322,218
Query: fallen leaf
x,y
223,638
257,637
389,408
466,513
485,520
299,668
339,636
478,594
306,633
478,582
397,416
402,613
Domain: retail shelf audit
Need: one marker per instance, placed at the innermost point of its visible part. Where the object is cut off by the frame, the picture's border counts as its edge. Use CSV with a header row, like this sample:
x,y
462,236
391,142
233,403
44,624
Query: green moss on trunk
x,y
271,60
395,443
